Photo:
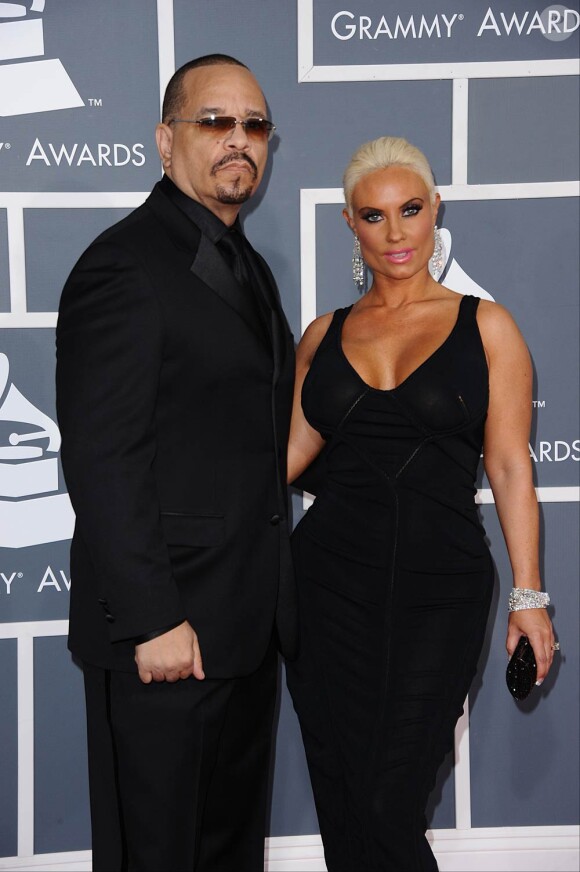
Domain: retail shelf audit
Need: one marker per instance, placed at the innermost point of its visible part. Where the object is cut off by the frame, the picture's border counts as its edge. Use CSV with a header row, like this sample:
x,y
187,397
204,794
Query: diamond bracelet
x,y
525,598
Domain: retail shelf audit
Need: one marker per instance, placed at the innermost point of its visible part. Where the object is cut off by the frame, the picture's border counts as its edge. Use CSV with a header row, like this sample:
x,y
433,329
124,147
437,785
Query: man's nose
x,y
237,138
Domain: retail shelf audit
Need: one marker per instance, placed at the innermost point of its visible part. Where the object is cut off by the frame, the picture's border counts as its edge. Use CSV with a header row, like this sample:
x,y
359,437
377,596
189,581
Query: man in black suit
x,y
174,383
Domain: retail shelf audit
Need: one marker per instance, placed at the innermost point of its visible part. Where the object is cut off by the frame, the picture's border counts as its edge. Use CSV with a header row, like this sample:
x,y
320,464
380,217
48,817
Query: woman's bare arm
x,y
305,442
508,466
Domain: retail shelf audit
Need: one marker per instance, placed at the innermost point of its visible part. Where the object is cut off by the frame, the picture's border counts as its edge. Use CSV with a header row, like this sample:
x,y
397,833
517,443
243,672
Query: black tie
x,y
233,247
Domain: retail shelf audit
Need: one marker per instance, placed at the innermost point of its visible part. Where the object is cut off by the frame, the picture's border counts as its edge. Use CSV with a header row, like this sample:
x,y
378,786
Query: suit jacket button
x,y
110,618
274,520
102,602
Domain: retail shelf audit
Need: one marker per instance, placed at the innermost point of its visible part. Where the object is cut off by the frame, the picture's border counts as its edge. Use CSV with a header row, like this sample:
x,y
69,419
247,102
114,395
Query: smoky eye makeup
x,y
412,208
371,215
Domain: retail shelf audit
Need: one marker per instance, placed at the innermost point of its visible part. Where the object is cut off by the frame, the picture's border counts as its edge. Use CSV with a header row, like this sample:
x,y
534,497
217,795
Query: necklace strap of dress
x,y
468,307
340,315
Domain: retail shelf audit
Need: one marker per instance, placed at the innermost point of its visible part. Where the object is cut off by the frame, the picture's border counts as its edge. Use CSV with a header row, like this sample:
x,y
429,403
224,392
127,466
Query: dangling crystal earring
x,y
358,266
437,259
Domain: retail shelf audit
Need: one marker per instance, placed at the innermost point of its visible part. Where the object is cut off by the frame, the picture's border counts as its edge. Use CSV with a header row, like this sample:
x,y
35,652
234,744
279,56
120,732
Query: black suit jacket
x,y
174,409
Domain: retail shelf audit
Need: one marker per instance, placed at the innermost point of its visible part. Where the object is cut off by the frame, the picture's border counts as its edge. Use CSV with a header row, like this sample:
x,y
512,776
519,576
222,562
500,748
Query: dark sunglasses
x,y
220,125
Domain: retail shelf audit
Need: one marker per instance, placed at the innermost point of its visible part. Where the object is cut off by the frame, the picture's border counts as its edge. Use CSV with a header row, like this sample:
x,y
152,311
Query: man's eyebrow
x,y
218,110
209,110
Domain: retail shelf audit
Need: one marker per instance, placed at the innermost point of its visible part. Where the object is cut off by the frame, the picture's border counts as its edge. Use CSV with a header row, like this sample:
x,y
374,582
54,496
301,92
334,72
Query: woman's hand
x,y
537,626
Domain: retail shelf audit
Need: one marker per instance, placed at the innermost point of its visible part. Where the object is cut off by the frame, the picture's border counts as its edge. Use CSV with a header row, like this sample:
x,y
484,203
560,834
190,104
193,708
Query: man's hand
x,y
171,656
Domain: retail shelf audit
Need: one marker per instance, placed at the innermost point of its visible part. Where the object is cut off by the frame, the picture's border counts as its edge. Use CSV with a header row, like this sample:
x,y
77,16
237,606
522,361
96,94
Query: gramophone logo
x,y
28,86
455,278
32,511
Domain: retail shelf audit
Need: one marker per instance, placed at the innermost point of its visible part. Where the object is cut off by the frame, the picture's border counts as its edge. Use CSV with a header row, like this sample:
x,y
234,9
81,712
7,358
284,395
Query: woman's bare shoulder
x,y
495,318
499,331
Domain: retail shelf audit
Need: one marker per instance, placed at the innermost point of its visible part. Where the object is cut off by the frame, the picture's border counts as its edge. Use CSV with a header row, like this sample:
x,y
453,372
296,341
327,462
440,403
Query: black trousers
x,y
179,773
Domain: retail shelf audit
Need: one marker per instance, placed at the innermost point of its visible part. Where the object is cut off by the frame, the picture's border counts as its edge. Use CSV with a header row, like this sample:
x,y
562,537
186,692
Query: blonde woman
x,y
395,578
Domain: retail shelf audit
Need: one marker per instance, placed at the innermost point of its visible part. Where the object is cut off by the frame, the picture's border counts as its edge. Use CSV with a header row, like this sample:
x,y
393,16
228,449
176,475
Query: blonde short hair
x,y
381,153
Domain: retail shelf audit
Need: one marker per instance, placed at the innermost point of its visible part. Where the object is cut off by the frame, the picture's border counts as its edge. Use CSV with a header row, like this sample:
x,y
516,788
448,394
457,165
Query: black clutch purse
x,y
520,674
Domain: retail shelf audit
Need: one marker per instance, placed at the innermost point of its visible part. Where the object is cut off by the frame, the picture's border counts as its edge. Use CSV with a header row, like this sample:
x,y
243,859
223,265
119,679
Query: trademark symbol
x,y
461,16
20,575
5,145
8,579
95,101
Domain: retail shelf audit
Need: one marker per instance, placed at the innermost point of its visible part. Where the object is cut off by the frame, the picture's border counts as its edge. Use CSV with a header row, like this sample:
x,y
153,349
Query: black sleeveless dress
x,y
395,582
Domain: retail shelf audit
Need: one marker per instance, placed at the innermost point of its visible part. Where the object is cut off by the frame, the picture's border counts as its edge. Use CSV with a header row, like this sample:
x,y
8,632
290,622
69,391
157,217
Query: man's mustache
x,y
237,156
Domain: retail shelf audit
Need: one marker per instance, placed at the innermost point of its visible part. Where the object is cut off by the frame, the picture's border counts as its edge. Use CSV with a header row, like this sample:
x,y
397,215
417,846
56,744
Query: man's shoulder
x,y
122,234
144,233
124,229
131,226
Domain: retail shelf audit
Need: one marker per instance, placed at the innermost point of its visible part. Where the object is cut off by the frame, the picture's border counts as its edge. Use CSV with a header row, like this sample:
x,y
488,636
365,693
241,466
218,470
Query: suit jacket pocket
x,y
192,530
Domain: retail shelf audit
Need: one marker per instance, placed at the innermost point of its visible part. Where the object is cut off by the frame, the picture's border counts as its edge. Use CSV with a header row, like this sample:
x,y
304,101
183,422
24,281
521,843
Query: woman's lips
x,y
403,255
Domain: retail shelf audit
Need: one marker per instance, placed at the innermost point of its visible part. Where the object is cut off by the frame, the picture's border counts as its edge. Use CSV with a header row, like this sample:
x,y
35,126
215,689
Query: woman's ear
x,y
347,217
436,208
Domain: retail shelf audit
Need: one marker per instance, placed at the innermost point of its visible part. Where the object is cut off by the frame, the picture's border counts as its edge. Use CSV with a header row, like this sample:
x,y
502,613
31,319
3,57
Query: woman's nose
x,y
394,230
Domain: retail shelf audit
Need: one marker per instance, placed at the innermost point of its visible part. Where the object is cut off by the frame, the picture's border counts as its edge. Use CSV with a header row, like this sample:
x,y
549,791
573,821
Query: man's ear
x,y
164,140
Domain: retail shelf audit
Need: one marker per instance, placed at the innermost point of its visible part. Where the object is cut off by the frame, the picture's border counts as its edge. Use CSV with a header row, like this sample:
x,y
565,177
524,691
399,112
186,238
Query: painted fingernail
x,y
539,682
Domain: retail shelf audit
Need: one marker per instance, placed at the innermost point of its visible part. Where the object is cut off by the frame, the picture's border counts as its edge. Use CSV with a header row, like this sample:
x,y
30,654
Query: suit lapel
x,y
279,327
208,264
211,268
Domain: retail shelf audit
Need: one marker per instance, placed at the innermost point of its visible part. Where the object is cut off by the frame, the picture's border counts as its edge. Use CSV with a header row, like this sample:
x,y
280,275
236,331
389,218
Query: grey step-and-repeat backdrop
x,y
490,93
